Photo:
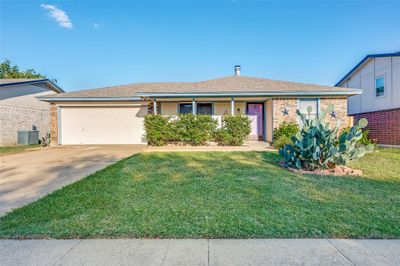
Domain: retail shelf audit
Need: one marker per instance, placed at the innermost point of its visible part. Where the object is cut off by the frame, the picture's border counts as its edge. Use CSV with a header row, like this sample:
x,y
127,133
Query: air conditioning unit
x,y
28,137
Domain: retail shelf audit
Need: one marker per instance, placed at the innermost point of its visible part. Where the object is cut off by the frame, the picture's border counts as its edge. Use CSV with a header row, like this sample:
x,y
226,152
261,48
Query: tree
x,y
9,71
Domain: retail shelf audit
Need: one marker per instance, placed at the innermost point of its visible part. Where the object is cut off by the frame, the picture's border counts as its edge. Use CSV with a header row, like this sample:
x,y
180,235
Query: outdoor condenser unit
x,y
27,137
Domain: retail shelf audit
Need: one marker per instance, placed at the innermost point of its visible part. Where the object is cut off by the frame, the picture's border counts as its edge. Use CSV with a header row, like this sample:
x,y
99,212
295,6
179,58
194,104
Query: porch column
x,y
155,106
232,106
193,106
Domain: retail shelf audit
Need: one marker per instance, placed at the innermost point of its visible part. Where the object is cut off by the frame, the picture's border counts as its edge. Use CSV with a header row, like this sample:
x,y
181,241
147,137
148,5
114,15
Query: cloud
x,y
58,15
95,25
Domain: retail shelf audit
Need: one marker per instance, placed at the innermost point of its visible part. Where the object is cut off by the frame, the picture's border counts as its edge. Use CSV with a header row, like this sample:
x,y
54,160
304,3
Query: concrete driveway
x,y
26,177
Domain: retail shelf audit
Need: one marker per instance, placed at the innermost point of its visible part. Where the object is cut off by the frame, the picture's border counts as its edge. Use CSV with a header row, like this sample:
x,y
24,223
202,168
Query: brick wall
x,y
14,118
384,126
53,125
279,104
340,111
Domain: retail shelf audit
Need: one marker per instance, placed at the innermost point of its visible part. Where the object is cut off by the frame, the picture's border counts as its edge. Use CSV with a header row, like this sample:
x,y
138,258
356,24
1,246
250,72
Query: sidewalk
x,y
200,252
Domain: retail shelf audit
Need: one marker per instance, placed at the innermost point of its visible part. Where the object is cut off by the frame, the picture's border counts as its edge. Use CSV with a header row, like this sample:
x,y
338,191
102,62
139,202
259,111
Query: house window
x,y
185,108
305,103
204,109
379,86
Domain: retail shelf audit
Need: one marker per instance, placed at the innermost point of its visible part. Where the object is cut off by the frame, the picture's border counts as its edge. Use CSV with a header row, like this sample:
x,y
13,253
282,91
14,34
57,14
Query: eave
x,y
89,99
348,92
50,84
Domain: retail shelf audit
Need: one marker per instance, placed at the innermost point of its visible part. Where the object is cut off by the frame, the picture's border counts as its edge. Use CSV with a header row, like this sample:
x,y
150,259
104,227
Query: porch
x,y
257,109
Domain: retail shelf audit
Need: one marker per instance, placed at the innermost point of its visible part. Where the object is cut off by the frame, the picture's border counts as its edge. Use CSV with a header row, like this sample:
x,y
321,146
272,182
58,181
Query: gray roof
x,y
12,81
39,82
233,85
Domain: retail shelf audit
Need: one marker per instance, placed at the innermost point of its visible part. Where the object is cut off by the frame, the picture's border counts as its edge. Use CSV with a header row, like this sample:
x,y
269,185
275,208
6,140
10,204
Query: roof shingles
x,y
234,84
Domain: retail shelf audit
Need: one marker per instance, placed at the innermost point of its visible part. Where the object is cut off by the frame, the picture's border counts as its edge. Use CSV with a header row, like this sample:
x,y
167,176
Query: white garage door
x,y
102,125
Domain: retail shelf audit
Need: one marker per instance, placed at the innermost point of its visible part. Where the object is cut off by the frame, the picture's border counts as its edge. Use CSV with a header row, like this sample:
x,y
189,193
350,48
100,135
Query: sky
x,y
90,44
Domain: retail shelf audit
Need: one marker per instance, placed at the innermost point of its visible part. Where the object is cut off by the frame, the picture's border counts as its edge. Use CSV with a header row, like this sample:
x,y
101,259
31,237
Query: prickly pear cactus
x,y
319,146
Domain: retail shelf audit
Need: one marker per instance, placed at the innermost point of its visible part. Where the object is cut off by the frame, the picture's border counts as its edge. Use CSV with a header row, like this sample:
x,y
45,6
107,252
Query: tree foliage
x,y
10,71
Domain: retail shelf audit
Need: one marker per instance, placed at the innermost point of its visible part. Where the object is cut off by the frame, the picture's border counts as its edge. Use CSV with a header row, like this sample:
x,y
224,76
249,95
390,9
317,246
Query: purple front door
x,y
255,111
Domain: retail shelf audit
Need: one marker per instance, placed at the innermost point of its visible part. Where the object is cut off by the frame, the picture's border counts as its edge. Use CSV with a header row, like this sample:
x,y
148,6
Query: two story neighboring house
x,y
378,75
21,110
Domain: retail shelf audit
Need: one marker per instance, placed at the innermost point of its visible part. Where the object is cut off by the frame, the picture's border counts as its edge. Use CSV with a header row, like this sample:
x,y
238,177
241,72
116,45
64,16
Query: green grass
x,y
15,149
217,195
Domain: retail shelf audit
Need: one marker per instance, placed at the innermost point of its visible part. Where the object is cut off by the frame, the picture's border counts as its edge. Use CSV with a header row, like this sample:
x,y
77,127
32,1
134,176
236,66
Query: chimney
x,y
237,70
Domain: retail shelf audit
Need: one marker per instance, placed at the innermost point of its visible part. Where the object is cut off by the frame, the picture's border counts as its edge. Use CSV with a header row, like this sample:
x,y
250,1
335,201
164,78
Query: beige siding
x,y
269,120
169,108
364,79
396,81
24,96
224,108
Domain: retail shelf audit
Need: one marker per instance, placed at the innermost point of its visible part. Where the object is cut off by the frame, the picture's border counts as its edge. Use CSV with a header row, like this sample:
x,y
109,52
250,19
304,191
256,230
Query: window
x,y
185,108
204,109
379,86
305,103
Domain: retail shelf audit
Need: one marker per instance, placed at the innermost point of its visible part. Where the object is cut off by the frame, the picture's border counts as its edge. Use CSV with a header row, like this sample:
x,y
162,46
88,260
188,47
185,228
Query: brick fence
x,y
384,126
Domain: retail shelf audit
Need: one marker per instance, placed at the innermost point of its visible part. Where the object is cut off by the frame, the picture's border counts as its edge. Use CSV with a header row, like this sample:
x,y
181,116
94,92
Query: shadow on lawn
x,y
212,194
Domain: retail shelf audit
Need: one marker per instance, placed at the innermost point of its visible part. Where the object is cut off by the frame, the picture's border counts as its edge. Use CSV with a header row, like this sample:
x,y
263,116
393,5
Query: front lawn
x,y
7,150
217,195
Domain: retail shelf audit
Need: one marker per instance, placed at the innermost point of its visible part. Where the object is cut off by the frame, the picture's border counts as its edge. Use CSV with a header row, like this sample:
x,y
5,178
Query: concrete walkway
x,y
28,176
200,252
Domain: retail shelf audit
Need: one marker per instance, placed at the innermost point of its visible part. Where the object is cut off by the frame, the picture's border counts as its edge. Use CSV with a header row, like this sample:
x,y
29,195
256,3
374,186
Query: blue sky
x,y
101,43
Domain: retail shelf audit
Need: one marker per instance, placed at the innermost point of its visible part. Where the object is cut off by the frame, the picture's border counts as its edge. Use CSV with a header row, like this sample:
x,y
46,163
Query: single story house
x,y
21,110
378,75
115,115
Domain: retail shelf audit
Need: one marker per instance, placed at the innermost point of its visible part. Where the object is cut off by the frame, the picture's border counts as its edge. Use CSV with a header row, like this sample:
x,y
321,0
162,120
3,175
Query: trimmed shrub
x,y
234,131
189,128
287,129
280,142
284,133
157,130
195,129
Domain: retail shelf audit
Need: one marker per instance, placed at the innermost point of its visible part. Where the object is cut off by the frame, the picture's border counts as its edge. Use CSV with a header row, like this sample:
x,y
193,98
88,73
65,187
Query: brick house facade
x,y
115,115
274,115
291,105
53,124
383,126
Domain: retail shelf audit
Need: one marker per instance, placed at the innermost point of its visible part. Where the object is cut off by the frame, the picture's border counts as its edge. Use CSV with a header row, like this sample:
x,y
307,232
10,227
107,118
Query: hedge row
x,y
196,129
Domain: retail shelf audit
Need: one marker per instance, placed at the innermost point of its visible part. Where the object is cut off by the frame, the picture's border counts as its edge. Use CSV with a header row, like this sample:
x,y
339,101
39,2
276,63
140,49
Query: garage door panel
x,y
103,125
